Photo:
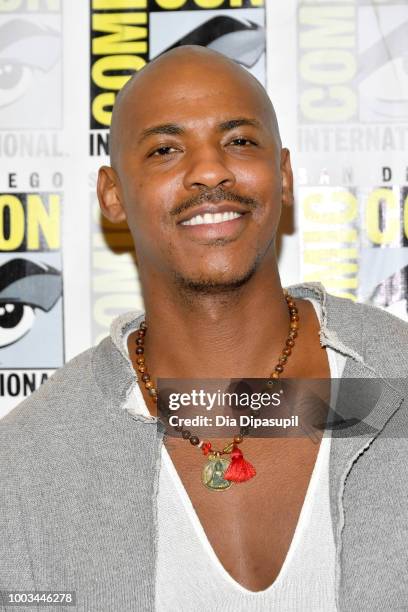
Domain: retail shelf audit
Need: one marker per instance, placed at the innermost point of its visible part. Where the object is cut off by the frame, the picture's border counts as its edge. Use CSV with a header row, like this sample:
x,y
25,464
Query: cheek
x,y
156,190
264,185
262,178
148,204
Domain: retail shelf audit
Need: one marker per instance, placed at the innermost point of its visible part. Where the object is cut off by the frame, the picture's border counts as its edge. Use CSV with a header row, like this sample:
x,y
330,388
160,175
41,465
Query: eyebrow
x,y
234,123
20,29
176,130
165,128
24,281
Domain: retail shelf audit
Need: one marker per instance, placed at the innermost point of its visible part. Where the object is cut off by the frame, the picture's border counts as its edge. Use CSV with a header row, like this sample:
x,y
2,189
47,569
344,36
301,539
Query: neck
x,y
237,334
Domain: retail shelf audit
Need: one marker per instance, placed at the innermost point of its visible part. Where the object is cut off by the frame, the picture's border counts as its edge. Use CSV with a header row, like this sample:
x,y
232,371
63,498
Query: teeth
x,y
212,218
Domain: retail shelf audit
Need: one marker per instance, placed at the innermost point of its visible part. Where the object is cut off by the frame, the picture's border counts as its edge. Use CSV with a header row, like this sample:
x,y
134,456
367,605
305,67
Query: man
x,y
93,503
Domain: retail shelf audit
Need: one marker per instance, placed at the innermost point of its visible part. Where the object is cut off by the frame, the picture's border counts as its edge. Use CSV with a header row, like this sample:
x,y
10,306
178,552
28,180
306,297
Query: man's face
x,y
195,146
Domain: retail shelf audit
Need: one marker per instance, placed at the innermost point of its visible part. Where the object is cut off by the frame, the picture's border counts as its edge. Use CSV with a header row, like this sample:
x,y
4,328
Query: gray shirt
x,y
79,474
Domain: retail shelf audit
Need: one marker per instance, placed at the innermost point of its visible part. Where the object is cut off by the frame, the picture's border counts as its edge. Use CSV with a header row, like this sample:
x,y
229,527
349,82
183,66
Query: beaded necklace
x,y
219,473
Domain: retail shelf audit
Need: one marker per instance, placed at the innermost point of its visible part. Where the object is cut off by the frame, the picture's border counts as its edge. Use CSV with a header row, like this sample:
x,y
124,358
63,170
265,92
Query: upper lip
x,y
214,208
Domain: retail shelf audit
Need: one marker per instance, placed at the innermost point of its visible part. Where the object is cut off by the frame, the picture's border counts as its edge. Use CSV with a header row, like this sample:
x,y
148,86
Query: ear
x,y
287,178
109,195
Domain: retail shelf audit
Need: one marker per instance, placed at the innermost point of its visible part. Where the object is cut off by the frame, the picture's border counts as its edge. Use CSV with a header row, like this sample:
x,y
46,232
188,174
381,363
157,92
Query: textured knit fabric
x,y
79,475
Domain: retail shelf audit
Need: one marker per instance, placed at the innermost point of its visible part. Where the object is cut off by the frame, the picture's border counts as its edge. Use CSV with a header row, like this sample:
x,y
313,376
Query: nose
x,y
207,168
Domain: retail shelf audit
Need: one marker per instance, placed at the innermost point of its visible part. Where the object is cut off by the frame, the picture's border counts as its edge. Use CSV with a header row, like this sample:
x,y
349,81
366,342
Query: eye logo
x,y
24,287
15,321
385,62
239,39
29,80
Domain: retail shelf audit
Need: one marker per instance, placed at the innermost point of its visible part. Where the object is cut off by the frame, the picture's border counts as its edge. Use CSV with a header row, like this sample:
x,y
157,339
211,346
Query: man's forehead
x,y
194,105
179,116
165,96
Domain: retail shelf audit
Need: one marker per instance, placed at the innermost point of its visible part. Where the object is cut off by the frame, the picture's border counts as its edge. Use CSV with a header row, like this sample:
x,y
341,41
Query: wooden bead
x,y
294,325
284,358
238,439
142,368
139,341
149,384
194,440
290,342
294,317
274,375
139,350
279,368
152,392
145,377
287,352
140,360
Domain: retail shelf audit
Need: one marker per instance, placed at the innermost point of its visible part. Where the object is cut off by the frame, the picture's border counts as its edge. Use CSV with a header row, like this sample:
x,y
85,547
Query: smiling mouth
x,y
212,218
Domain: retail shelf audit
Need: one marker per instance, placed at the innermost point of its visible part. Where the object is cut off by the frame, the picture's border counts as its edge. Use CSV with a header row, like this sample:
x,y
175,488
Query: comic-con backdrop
x,y
337,72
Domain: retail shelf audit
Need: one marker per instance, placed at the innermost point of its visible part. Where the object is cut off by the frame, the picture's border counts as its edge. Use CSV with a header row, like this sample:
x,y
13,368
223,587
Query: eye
x,y
15,79
162,151
25,287
242,142
26,51
16,320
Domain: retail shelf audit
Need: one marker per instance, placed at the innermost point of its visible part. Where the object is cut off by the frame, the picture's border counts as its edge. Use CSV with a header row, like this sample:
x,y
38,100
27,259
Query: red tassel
x,y
206,447
239,470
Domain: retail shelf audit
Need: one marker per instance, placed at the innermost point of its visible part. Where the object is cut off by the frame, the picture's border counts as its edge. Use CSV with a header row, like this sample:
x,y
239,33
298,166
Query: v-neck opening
x,y
199,530
206,544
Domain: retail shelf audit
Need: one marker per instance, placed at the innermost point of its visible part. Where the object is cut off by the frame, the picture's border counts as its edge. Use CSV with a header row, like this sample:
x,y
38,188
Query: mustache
x,y
214,195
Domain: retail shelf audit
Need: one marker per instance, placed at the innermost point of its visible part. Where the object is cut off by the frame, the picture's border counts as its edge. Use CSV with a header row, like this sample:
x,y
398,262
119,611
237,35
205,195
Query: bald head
x,y
185,70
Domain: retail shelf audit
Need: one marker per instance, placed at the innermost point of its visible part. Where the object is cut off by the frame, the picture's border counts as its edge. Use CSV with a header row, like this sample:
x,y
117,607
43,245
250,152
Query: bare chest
x,y
251,525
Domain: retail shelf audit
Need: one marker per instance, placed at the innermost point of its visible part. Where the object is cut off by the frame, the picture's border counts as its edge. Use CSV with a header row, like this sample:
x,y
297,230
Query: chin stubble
x,y
207,286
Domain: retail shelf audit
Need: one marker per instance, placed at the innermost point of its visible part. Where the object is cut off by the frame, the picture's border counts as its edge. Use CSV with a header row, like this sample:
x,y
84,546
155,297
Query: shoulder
x,y
376,324
368,334
374,318
343,313
61,399
62,421
380,337
385,341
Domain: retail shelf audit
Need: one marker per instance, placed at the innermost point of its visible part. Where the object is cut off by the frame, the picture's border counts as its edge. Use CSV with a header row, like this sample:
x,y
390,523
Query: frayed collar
x,y
343,334
340,327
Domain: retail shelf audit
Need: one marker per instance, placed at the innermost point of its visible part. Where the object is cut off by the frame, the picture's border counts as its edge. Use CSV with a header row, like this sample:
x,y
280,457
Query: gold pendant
x,y
213,473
